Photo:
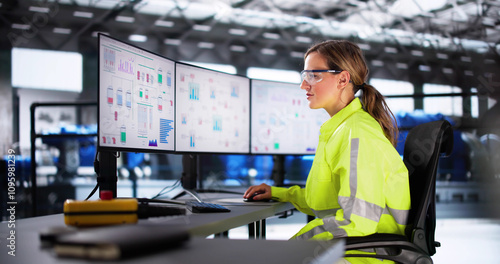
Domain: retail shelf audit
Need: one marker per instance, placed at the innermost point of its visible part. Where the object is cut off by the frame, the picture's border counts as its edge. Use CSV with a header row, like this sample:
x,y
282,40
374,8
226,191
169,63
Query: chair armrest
x,y
378,237
380,240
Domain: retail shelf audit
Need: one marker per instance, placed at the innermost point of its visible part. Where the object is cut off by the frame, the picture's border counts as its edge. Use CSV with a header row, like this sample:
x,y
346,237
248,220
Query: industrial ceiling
x,y
446,41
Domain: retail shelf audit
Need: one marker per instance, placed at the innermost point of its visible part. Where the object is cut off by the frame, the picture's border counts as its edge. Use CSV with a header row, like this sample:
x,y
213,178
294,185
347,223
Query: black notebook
x,y
118,242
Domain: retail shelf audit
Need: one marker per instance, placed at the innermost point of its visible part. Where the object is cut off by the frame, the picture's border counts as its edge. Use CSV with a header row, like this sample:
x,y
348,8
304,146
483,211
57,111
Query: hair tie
x,y
362,86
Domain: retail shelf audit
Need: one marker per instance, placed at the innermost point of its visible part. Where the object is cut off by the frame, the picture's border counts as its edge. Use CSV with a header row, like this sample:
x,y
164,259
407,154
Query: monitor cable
x,y
96,170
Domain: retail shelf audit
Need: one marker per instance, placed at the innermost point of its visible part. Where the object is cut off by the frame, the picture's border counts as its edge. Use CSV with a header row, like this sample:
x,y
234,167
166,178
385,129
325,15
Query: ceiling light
x,y
237,48
204,28
83,14
402,66
465,59
269,35
411,8
172,42
62,31
206,45
271,52
424,68
377,63
297,54
137,38
125,19
21,26
417,53
164,23
448,70
364,46
469,73
390,50
303,39
237,32
442,56
39,9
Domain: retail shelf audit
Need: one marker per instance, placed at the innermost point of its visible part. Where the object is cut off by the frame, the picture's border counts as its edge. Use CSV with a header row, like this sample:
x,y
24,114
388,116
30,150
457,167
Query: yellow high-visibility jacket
x,y
358,184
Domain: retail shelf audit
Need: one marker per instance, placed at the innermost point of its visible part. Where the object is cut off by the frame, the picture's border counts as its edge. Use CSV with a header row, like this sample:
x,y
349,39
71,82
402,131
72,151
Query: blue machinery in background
x,y
61,141
452,168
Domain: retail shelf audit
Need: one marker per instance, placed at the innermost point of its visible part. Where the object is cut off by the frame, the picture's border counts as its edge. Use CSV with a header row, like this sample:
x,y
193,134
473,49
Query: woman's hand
x,y
263,191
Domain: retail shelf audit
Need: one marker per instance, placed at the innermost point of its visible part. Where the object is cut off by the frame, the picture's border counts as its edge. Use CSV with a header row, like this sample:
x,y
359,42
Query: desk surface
x,y
212,223
197,250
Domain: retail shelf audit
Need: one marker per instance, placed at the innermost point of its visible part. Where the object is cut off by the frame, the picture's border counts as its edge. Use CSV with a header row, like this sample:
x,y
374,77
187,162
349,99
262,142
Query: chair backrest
x,y
424,145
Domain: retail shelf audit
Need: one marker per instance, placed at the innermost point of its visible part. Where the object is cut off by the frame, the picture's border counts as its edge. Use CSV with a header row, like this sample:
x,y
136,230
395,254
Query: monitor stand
x,y
107,177
190,176
191,179
278,173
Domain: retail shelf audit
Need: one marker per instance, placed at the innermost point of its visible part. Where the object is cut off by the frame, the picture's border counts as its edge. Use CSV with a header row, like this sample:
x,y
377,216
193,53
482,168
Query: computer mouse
x,y
250,199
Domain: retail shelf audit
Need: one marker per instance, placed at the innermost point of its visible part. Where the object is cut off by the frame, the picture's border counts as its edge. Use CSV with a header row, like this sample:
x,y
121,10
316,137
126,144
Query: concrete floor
x,y
465,234
468,240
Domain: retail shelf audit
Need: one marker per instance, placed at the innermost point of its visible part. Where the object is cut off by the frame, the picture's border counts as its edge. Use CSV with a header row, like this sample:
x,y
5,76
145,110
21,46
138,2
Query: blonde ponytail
x,y
374,103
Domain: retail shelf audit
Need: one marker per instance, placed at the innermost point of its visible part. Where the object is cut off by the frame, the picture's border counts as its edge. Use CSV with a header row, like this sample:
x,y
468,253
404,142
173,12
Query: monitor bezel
x,y
125,149
249,111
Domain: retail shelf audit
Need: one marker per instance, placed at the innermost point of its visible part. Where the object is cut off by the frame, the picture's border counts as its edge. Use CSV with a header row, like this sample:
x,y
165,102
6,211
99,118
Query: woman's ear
x,y
344,79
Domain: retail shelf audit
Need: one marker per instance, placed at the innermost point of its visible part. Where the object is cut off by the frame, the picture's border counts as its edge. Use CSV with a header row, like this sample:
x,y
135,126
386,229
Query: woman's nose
x,y
304,85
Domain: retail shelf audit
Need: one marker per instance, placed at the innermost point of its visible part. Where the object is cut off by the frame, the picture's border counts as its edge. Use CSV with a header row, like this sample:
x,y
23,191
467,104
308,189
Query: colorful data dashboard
x,y
136,98
281,120
212,111
148,103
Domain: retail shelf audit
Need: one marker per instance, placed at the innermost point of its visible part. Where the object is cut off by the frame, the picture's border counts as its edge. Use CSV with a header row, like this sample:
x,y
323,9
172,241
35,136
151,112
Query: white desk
x,y
197,250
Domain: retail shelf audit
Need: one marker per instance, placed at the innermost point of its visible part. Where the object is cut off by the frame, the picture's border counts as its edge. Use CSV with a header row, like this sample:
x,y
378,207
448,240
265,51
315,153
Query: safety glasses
x,y
313,77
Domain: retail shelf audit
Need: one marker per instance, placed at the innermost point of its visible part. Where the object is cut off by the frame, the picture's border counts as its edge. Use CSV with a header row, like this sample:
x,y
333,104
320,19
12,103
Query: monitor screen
x,y
212,111
136,98
281,120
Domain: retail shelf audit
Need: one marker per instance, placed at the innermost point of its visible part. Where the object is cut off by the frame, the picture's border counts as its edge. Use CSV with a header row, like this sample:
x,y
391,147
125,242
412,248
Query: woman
x,y
358,183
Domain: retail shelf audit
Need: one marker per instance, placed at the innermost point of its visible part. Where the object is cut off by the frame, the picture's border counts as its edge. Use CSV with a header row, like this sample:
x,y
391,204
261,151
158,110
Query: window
x,y
474,104
392,87
47,69
274,75
446,105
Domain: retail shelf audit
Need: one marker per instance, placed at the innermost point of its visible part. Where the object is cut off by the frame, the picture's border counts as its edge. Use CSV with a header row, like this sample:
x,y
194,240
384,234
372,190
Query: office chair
x,y
423,146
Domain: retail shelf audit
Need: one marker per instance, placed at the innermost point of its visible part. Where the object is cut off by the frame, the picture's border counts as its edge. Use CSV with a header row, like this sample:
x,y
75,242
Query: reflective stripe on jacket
x,y
358,184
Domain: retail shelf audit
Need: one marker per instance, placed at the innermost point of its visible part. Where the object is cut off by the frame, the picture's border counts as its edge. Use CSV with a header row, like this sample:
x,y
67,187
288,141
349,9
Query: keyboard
x,y
202,207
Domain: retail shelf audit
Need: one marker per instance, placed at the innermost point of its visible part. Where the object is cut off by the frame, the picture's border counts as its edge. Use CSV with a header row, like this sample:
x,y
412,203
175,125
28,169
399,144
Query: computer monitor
x,y
136,98
281,121
212,111
136,101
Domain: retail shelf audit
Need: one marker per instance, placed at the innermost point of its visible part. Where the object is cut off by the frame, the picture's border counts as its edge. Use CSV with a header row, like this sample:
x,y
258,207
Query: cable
x,y
170,188
96,170
93,191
